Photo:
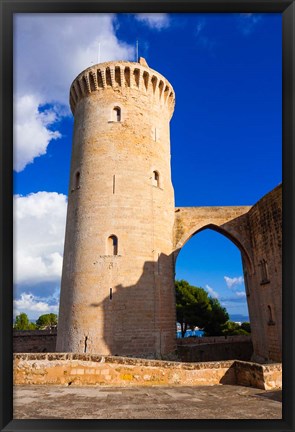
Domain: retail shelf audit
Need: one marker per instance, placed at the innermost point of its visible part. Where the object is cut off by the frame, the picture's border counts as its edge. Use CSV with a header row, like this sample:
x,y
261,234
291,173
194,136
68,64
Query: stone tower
x,y
117,293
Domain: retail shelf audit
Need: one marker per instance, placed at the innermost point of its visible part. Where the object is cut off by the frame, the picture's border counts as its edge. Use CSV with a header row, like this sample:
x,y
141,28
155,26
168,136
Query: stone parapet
x,y
215,352
34,341
212,340
87,369
266,377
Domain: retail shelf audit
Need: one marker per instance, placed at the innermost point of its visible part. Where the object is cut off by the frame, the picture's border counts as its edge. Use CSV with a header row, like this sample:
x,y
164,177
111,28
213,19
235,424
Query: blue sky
x,y
225,132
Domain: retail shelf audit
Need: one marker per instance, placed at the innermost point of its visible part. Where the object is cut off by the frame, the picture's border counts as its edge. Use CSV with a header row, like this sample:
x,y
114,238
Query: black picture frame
x,y
10,7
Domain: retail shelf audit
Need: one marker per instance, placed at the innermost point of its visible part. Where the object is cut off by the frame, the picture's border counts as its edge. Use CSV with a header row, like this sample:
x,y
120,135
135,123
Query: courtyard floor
x,y
208,402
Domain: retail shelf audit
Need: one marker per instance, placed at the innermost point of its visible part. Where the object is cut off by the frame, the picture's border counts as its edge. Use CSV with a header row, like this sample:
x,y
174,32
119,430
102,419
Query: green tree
x,y
46,321
192,306
231,328
218,317
22,323
246,326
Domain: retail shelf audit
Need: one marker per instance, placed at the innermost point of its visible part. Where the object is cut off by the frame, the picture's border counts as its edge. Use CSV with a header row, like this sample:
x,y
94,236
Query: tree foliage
x,y
22,323
217,319
246,326
231,328
46,321
194,307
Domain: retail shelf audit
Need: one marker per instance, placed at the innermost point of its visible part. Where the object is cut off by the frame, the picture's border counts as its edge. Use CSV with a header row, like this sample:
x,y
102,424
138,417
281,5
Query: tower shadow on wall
x,y
135,318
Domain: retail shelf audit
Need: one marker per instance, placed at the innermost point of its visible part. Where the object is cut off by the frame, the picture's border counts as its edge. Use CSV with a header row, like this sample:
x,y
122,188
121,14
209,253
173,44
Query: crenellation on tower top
x,y
143,62
122,74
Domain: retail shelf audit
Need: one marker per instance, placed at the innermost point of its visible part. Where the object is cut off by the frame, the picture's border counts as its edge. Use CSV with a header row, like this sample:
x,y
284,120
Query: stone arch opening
x,y
117,114
231,284
112,245
246,259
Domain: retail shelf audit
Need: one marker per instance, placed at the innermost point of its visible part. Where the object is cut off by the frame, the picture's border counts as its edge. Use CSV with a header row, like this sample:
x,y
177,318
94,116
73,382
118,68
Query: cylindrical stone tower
x,y
117,293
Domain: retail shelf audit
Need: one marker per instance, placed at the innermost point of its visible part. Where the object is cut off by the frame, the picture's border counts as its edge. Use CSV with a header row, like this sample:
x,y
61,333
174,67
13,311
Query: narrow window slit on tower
x,y
156,179
114,183
111,293
264,272
76,181
85,344
270,317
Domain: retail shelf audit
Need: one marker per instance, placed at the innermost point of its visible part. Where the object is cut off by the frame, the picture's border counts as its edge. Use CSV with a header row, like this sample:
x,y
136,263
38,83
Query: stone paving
x,y
158,402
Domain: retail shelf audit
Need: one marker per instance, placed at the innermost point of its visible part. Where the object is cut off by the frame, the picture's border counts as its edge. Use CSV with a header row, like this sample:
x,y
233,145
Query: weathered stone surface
x,y
264,282
240,350
266,377
119,371
257,232
227,219
34,341
123,233
149,402
119,302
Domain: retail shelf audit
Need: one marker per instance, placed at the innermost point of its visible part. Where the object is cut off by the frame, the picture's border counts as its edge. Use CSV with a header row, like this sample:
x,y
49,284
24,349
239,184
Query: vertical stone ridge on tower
x,y
117,293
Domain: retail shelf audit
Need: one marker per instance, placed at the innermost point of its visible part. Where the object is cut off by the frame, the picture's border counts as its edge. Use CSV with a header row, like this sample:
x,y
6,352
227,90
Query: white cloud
x,y
211,291
202,40
156,21
33,306
240,293
247,22
200,25
50,50
39,226
31,132
233,282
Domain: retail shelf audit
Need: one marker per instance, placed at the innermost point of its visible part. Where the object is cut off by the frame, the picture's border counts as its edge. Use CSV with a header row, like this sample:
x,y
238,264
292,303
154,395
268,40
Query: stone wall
x,y
261,376
215,351
34,341
189,349
195,340
79,369
264,283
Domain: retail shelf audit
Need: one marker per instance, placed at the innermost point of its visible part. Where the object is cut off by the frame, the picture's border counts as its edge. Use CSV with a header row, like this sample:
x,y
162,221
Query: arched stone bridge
x,y
230,221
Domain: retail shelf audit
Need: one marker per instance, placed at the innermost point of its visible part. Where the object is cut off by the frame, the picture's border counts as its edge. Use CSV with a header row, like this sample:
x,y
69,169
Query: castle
x,y
123,232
